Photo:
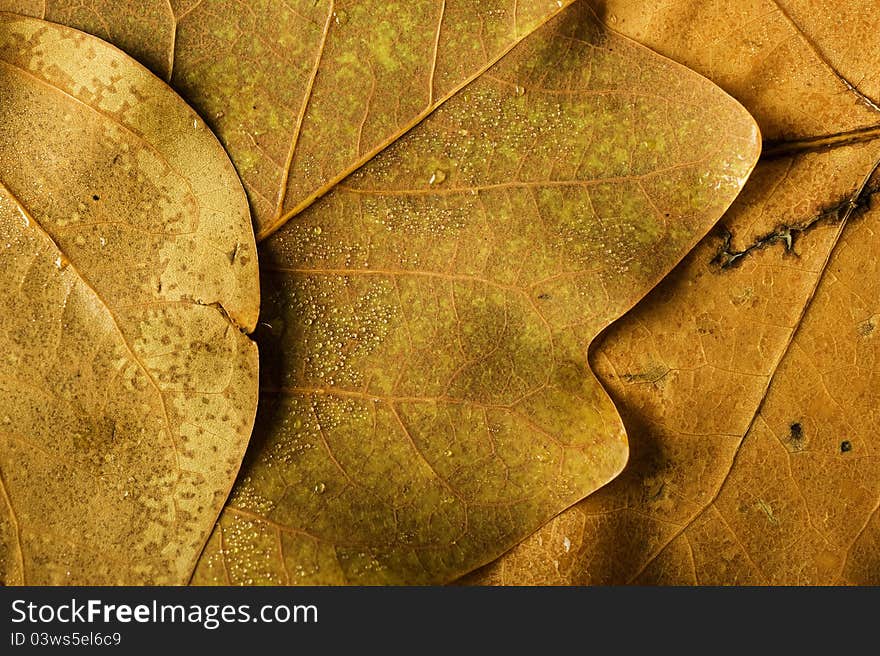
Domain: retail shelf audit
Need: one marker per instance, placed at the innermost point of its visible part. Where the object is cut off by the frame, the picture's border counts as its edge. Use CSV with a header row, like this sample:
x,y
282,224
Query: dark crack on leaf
x,y
788,234
224,312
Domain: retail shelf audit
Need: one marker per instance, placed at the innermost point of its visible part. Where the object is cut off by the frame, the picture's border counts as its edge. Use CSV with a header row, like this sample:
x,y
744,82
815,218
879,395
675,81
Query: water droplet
x,y
437,177
320,487
317,230
519,90
340,17
566,544
448,454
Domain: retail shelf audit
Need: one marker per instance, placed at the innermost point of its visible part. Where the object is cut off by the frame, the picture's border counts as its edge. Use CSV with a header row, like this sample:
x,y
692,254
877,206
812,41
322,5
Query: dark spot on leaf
x,y
845,446
796,431
96,197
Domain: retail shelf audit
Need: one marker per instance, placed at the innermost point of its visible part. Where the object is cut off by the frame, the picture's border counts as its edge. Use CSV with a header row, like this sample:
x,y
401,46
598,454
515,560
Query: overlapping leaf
x,y
304,91
427,402
128,267
747,380
426,399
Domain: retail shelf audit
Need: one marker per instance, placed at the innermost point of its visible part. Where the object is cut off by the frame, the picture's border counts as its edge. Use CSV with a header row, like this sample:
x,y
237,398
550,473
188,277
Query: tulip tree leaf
x,y
426,400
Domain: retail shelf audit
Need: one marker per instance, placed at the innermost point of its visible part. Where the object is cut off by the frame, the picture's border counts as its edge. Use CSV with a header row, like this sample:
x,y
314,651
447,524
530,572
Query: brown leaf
x,y
747,380
426,398
127,389
303,92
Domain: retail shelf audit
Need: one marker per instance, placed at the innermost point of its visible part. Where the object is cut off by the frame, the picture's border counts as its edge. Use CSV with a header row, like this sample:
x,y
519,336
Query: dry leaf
x,y
747,380
127,389
303,92
426,399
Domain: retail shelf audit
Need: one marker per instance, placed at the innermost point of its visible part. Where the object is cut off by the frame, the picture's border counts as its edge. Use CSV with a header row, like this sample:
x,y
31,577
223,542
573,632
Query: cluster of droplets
x,y
250,553
293,438
361,565
345,329
333,412
245,496
306,242
303,571
481,137
420,218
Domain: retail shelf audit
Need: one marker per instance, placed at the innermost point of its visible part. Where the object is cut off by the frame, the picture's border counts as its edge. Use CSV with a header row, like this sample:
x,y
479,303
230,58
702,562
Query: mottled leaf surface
x,y
748,379
426,400
302,92
128,268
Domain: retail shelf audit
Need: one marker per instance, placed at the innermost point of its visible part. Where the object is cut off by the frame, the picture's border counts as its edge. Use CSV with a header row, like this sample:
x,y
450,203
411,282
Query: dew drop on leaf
x,y
437,177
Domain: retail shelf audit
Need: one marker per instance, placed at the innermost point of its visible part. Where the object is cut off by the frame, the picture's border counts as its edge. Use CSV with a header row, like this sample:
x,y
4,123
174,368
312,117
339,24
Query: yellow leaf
x,y
303,92
128,264
426,399
748,379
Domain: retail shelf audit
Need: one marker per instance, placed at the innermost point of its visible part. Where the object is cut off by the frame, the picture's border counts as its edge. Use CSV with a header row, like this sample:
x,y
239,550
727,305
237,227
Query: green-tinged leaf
x,y
302,92
426,399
